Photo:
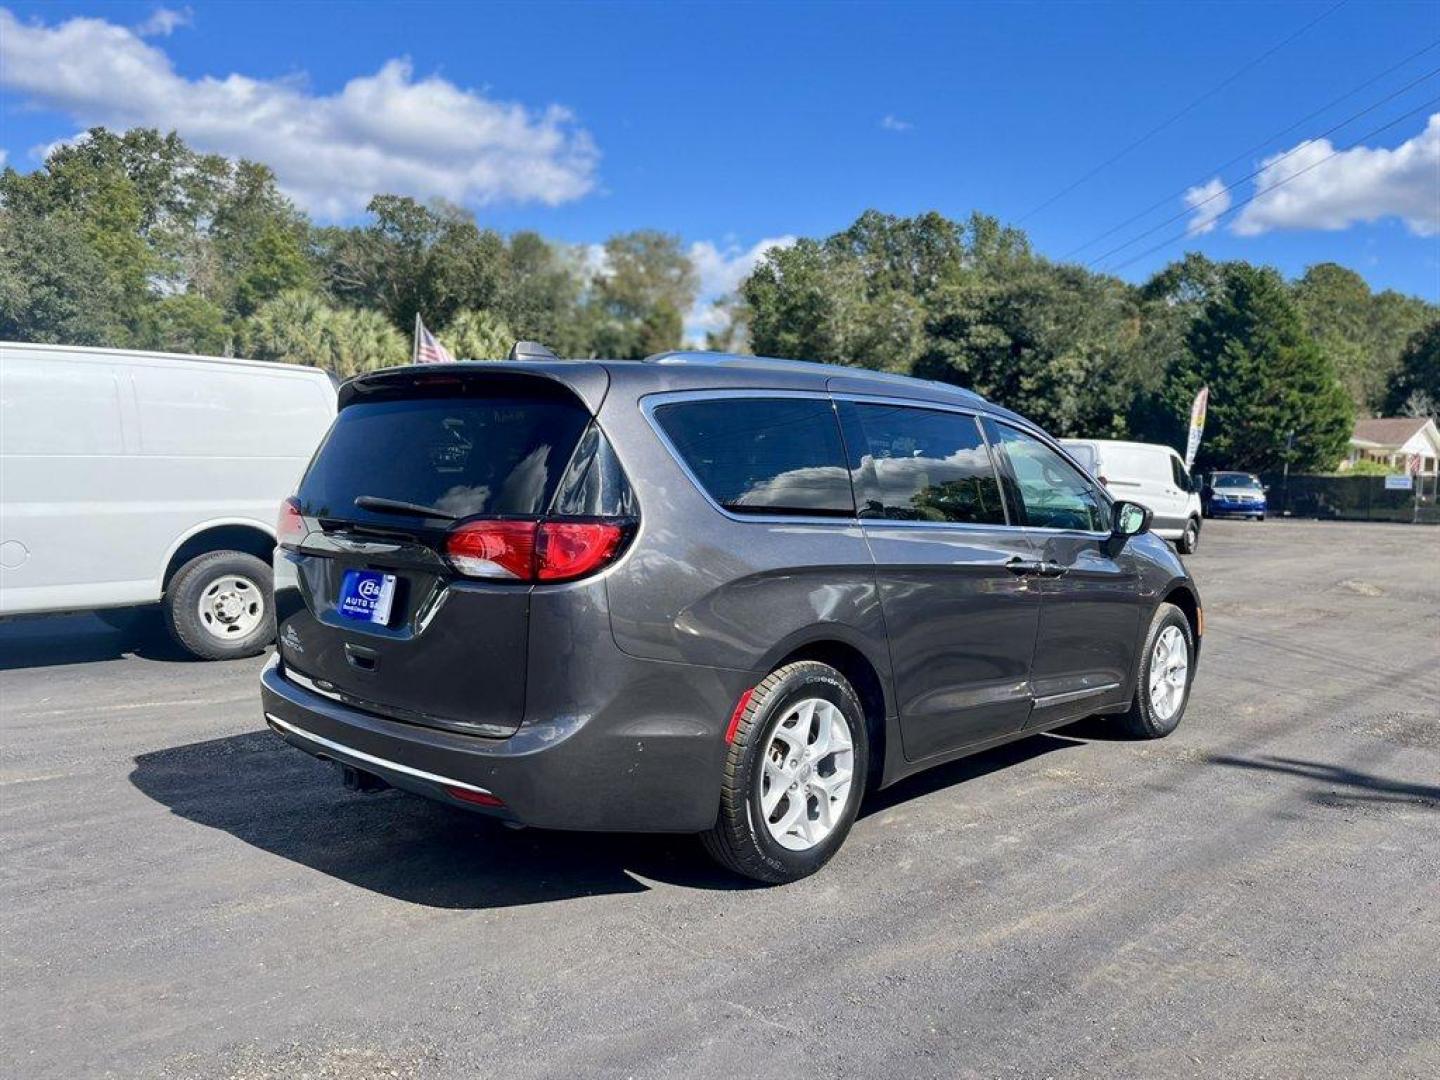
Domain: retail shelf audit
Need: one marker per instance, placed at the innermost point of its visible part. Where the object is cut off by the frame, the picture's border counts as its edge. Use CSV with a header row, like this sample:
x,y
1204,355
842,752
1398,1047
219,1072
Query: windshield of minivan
x,y
1235,480
466,455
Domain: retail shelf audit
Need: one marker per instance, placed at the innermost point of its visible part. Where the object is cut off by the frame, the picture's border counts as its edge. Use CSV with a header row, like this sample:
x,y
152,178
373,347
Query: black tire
x,y
1190,538
739,840
192,581
1259,517
1142,721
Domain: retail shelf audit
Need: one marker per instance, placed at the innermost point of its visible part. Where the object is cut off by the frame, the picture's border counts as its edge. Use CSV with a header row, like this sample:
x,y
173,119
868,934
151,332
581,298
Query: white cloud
x,y
1209,201
386,132
1361,184
165,21
4,156
720,270
894,123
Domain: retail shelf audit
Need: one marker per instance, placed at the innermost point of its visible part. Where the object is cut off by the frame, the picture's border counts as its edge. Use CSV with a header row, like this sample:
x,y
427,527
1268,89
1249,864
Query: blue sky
x,y
737,125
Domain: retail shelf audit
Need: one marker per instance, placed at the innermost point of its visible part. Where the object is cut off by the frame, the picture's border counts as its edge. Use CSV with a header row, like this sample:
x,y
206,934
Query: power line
x,y
1251,175
1182,113
1279,183
1244,154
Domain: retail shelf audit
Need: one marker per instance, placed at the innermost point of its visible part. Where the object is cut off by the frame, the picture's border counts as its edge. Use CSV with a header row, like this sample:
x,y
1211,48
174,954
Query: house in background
x,y
1393,440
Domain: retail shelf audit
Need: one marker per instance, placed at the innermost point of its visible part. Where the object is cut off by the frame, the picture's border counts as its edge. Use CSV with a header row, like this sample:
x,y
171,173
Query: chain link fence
x,y
1352,498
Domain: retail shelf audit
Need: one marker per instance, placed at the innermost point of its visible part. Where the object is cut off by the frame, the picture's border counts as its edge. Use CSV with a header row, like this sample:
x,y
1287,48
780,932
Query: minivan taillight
x,y
533,550
290,527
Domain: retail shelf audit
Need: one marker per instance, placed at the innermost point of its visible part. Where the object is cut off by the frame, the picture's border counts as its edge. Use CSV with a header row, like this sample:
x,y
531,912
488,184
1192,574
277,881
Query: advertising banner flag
x,y
1197,425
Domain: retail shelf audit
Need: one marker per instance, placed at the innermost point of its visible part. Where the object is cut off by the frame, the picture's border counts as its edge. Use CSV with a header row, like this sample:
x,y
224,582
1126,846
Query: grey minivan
x,y
702,593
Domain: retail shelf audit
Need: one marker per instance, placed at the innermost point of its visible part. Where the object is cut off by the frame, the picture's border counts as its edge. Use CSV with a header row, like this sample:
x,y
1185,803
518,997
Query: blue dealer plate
x,y
366,596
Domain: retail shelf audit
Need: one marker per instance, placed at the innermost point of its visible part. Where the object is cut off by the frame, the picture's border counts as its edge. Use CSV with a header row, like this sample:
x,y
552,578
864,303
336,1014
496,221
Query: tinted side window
x,y
1052,493
763,455
925,465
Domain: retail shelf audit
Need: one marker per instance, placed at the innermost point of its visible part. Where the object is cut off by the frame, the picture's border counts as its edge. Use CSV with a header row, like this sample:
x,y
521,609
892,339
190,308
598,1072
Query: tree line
x,y
135,239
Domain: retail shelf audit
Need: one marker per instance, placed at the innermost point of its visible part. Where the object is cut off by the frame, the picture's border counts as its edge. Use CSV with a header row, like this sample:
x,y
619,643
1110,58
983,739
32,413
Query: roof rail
x,y
531,350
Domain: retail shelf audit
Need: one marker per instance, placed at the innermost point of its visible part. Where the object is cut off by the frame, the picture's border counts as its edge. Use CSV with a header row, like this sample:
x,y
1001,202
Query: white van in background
x,y
1153,476
131,478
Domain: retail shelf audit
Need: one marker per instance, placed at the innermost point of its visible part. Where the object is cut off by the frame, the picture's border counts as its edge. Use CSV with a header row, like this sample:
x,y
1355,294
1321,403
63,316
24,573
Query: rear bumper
x,y
572,772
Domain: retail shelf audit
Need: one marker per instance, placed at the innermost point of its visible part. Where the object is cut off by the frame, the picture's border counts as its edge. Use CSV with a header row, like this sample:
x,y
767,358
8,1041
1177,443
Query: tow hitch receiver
x,y
365,783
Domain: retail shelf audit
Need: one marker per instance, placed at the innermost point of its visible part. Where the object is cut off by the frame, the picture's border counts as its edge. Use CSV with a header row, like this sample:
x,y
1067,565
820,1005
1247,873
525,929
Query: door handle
x,y
1023,567
1053,569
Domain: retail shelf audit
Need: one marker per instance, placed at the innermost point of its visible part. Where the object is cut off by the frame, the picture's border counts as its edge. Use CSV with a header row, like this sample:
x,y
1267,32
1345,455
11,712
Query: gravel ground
x,y
181,895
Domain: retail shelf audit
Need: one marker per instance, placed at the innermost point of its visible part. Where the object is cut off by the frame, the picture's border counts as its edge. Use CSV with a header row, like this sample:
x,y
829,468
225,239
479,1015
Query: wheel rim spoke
x,y
1169,672
806,779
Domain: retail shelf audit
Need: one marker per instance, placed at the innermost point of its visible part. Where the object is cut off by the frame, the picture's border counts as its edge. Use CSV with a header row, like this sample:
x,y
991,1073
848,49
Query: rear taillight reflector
x,y
739,713
571,549
533,551
290,527
479,798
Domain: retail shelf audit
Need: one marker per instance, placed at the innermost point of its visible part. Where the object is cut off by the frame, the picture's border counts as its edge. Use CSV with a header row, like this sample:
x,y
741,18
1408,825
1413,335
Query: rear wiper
x,y
395,506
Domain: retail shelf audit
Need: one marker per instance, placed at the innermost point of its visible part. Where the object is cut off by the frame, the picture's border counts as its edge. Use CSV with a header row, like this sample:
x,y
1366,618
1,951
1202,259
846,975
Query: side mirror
x,y
1131,519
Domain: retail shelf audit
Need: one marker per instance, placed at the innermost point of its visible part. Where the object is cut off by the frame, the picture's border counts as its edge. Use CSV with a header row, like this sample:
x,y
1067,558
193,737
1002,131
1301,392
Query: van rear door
x,y
488,451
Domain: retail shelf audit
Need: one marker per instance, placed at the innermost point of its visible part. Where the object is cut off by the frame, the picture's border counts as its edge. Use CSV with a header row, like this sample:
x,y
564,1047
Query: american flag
x,y
427,349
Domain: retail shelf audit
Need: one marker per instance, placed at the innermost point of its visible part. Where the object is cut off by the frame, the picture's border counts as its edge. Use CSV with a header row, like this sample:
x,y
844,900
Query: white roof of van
x,y
144,354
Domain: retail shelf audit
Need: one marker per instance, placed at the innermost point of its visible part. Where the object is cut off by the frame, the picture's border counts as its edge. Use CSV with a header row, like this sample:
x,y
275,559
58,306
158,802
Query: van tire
x,y
1190,538
739,840
1142,720
253,585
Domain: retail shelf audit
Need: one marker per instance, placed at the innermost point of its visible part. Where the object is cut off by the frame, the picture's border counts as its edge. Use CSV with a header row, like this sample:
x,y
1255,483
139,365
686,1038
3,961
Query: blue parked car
x,y
1234,494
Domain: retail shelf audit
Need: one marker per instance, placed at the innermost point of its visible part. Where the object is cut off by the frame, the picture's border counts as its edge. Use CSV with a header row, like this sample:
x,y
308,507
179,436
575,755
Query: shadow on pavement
x,y
279,800
82,638
1362,786
967,768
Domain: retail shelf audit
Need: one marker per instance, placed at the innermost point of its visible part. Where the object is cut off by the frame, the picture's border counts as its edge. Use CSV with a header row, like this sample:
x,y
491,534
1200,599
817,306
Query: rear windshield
x,y
480,453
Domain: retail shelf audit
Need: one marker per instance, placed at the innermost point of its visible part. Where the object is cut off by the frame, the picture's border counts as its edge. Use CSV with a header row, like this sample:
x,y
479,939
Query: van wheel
x,y
1167,667
219,606
794,775
1190,538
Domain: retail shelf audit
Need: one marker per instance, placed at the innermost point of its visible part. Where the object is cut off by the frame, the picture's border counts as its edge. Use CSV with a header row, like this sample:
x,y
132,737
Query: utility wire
x,y
1251,175
1245,154
1182,113
1279,183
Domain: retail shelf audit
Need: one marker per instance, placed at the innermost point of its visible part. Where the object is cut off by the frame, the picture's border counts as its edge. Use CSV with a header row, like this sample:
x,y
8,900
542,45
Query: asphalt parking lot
x,y
181,895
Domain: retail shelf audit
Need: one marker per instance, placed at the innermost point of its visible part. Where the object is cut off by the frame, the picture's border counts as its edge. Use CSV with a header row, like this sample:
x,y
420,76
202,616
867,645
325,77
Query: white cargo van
x,y
1153,476
131,478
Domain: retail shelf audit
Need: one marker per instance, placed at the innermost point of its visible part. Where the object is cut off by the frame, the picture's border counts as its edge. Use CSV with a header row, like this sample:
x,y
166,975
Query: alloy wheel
x,y
1169,672
808,774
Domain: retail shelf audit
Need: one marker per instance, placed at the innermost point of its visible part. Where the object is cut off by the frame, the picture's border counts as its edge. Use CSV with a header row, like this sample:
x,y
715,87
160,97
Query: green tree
x,y
185,323
1362,332
1274,395
1414,388
414,259
477,335
293,328
646,283
362,340
54,286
